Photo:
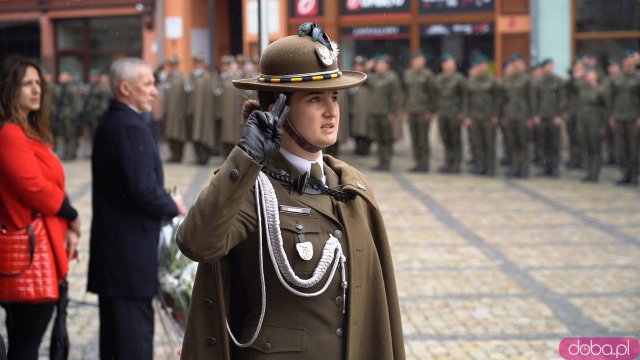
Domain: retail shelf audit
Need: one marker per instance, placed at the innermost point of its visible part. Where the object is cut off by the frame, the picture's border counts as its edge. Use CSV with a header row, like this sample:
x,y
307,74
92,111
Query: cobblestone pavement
x,y
487,268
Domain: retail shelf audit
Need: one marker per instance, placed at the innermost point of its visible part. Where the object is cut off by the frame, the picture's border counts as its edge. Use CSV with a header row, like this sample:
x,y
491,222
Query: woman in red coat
x,y
31,181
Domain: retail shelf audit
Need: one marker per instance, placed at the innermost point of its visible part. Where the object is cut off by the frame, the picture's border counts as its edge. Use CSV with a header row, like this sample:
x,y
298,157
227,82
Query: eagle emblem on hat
x,y
325,55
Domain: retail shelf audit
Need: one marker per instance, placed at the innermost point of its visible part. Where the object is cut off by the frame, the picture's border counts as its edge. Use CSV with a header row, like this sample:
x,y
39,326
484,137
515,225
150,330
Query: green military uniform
x,y
95,103
65,105
450,101
591,124
359,114
625,95
174,114
202,108
550,102
254,208
385,96
420,103
481,105
612,156
230,102
573,99
516,110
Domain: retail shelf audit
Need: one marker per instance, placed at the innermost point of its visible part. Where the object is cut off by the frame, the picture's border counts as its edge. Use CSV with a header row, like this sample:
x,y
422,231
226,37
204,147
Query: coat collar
x,y
338,174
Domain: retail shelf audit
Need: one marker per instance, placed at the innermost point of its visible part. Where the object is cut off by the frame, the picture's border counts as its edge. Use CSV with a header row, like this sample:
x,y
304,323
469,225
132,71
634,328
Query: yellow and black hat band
x,y
299,77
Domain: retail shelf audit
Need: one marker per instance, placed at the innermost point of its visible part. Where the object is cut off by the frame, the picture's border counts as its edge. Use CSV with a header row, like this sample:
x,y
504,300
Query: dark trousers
x,y
484,134
550,140
126,329
450,132
627,144
519,134
384,137
26,324
419,128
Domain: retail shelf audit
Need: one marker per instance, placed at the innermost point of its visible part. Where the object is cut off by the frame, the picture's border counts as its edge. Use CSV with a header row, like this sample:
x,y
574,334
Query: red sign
x,y
306,8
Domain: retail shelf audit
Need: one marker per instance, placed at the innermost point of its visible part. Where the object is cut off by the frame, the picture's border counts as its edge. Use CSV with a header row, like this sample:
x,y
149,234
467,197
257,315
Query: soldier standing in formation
x,y
420,105
481,105
537,73
625,118
230,100
65,106
173,110
550,103
385,97
613,69
450,85
573,91
359,113
201,105
517,107
592,123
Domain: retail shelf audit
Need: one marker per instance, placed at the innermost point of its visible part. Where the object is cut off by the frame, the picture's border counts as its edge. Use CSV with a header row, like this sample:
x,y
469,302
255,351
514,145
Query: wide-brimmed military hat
x,y
307,61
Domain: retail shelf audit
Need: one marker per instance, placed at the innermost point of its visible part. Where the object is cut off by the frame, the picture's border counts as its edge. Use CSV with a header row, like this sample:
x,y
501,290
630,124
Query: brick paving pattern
x,y
487,268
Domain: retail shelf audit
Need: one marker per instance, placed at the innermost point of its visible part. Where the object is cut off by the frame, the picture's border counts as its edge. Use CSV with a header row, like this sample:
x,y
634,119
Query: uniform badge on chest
x,y
305,250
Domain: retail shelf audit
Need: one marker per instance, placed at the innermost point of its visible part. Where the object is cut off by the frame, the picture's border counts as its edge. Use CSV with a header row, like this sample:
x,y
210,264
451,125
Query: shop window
x,y
607,15
20,39
93,43
462,40
605,49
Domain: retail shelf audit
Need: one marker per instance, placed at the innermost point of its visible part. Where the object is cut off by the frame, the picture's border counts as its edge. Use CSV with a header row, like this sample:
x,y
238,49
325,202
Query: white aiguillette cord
x,y
332,255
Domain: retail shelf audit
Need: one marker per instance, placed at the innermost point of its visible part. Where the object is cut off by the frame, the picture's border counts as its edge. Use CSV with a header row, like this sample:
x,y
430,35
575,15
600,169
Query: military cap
x,y
359,59
95,72
384,57
307,61
628,52
417,53
240,59
446,57
173,60
227,59
198,57
546,61
479,59
612,61
64,70
515,57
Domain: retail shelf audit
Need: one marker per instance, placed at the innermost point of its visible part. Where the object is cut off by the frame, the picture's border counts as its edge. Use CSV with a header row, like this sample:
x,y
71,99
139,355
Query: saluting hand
x,y
262,132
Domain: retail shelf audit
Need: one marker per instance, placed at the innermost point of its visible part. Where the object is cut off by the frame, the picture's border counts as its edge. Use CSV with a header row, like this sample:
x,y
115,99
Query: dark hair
x,y
37,123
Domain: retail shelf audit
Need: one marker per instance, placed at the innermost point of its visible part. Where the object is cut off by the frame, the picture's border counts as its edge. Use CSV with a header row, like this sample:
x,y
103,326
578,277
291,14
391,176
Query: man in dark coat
x,y
129,203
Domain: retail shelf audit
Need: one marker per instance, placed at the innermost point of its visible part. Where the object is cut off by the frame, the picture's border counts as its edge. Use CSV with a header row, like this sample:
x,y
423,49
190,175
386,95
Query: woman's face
x,y
29,98
316,116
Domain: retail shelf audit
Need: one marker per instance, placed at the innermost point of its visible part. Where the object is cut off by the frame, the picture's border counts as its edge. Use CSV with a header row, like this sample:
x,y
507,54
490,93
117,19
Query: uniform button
x,y
208,302
339,301
299,226
234,175
337,234
266,346
212,341
339,332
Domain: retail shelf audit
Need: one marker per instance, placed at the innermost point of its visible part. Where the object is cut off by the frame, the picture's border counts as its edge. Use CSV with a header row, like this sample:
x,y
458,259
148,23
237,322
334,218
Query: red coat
x,y
32,180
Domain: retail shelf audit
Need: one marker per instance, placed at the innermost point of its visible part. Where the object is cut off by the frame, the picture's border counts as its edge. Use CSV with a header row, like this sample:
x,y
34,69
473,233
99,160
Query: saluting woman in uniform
x,y
293,251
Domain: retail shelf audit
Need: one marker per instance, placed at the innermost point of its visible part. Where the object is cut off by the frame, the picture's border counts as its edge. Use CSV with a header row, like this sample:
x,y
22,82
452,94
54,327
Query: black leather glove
x,y
262,132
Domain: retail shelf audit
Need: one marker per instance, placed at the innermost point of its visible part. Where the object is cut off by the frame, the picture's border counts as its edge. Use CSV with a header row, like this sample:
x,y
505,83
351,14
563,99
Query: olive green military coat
x,y
359,100
385,98
204,109
174,109
220,231
230,103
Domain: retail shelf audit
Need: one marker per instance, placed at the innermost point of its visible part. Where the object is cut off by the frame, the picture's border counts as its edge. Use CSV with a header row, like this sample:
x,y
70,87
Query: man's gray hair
x,y
124,70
